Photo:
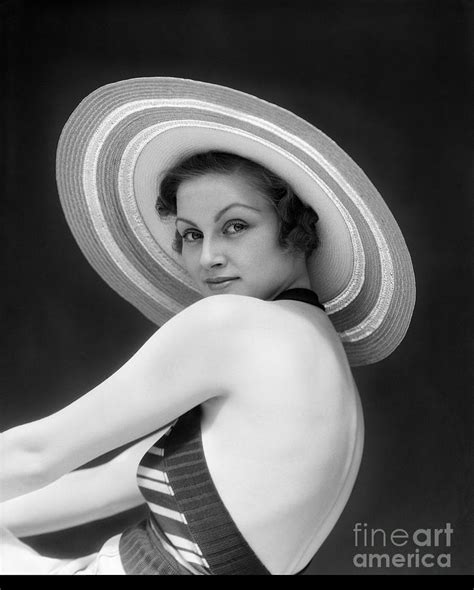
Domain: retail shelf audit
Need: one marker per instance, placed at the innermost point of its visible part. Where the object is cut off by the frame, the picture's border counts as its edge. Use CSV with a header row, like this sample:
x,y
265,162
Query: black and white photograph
x,y
236,306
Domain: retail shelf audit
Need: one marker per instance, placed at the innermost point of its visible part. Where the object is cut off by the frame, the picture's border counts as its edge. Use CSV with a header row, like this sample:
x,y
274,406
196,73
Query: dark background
x,y
388,81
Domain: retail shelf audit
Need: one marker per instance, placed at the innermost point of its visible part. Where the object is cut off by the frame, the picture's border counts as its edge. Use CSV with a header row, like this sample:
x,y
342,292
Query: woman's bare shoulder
x,y
226,303
226,311
230,307
277,330
285,330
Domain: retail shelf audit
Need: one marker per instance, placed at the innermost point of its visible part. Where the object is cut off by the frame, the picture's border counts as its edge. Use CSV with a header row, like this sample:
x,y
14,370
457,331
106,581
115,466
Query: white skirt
x,y
17,558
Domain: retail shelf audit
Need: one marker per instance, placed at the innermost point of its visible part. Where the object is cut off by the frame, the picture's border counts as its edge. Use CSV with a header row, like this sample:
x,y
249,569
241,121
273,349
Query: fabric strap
x,y
301,294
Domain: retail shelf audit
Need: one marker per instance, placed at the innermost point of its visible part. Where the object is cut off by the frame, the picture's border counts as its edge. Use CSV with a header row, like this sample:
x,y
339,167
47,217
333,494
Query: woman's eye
x,y
191,236
235,227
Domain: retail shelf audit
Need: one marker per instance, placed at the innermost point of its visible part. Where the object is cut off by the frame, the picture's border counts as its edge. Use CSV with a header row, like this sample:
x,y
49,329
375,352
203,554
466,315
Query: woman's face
x,y
230,238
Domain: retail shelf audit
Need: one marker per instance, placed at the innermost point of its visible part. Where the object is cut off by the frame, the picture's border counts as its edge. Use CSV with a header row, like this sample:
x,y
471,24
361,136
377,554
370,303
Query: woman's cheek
x,y
190,259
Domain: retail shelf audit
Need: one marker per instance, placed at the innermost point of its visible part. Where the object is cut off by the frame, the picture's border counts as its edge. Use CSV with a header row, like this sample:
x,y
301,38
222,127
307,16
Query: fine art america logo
x,y
422,548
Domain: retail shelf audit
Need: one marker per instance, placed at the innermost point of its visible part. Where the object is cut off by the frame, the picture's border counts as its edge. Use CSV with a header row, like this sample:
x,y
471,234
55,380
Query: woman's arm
x,y
79,497
193,357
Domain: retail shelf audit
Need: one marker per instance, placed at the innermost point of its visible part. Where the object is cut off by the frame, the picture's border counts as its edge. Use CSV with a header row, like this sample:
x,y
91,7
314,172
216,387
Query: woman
x,y
262,424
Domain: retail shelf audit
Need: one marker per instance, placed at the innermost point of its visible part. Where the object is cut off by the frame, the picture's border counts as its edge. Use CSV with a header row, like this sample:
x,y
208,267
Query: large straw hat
x,y
119,140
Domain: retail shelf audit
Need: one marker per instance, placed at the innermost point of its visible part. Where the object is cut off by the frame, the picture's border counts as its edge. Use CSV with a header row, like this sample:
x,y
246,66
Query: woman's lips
x,y
219,284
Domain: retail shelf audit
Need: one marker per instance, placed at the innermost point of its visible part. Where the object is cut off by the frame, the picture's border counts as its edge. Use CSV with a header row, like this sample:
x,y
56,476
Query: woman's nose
x,y
212,254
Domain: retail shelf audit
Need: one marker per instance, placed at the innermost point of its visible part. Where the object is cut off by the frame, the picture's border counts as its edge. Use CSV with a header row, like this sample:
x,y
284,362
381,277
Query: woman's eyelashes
x,y
191,235
231,228
235,227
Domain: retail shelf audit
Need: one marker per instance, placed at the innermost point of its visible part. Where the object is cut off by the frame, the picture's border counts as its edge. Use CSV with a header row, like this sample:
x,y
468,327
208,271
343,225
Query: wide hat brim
x,y
119,141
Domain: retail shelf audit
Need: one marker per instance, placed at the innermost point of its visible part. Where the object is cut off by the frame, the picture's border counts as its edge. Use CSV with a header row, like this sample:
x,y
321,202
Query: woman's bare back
x,y
285,446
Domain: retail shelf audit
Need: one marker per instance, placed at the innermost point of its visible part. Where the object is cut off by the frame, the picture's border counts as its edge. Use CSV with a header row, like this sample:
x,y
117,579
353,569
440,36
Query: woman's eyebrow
x,y
184,221
221,213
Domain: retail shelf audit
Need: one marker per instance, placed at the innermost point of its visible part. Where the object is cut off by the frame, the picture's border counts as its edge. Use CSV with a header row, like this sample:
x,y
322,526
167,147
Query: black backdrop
x,y
387,80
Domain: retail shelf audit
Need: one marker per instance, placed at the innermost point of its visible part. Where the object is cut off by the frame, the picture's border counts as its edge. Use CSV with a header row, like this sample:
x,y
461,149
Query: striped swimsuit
x,y
189,530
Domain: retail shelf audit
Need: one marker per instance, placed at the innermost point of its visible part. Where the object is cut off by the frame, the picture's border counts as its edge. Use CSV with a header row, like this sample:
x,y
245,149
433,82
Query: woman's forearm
x,y
74,499
21,466
79,497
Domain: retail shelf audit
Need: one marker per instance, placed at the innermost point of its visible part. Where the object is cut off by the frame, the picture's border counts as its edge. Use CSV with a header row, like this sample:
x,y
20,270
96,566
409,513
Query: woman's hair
x,y
297,220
